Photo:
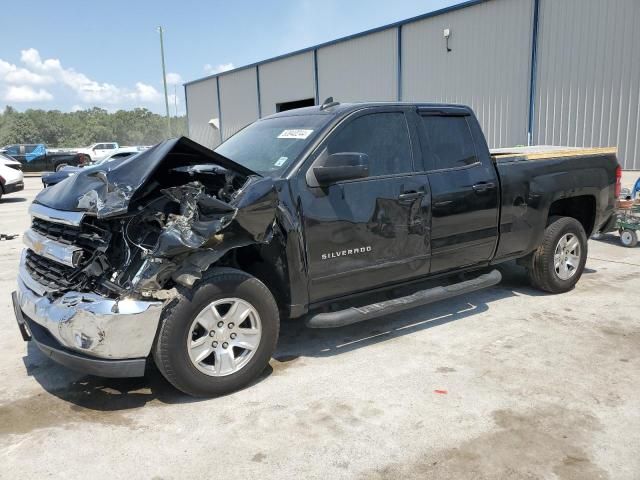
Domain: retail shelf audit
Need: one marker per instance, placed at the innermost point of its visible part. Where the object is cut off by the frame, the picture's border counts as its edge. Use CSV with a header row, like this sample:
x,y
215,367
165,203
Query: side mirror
x,y
339,167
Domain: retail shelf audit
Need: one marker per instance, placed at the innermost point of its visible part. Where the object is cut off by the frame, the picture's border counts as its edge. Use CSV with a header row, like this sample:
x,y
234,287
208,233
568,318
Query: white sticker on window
x,y
281,161
299,134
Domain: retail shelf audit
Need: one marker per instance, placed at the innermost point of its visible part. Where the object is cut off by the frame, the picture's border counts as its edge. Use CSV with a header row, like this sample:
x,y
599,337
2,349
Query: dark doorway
x,y
284,106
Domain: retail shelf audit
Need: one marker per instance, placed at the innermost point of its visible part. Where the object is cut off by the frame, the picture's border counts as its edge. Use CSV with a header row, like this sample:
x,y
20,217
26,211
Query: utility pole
x,y
175,98
164,82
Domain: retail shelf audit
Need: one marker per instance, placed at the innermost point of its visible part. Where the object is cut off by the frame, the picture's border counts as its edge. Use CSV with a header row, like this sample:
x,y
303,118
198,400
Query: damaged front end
x,y
134,230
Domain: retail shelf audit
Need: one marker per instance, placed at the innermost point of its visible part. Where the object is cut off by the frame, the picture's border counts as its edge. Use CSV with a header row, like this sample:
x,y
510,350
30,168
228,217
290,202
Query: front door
x,y
365,233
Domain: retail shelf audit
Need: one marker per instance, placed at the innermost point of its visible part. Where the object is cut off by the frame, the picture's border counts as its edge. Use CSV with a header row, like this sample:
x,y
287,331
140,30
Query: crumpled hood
x,y
107,189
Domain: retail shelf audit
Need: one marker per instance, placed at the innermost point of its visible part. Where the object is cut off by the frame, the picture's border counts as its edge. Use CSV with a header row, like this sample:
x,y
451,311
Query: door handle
x,y
409,196
483,187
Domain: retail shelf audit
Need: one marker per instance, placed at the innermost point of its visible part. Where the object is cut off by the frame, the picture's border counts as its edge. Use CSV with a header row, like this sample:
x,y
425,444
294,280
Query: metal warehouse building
x,y
547,72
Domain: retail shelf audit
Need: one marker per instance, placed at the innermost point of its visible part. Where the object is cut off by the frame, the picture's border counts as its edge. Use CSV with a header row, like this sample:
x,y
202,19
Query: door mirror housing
x,y
339,167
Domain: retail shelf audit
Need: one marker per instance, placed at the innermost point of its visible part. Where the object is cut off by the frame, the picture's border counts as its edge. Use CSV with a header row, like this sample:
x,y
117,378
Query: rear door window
x,y
384,137
449,141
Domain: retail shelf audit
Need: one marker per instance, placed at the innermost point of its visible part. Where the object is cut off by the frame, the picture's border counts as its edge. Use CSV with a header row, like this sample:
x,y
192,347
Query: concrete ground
x,y
503,383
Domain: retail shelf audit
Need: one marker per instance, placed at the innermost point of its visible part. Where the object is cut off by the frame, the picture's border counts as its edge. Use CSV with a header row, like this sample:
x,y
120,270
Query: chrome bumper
x,y
91,324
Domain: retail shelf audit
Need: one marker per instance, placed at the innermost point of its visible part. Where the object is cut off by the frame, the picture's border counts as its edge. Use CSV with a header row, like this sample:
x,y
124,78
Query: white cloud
x,y
223,67
86,89
25,93
30,56
174,79
10,73
23,83
145,93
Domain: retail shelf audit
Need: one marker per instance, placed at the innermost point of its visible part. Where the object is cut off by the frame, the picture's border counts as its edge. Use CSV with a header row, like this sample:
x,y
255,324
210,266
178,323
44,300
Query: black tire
x,y
629,238
170,351
60,166
542,273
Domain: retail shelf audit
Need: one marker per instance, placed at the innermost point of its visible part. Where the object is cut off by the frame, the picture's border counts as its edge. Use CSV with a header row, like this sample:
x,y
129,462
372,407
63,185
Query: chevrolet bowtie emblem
x,y
37,246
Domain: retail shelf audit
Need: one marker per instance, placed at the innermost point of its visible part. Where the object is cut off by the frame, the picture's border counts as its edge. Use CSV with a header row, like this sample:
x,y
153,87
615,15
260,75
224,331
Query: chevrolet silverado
x,y
190,257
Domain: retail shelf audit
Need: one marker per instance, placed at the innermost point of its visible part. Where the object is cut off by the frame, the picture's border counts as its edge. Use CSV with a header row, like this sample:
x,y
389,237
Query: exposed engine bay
x,y
153,221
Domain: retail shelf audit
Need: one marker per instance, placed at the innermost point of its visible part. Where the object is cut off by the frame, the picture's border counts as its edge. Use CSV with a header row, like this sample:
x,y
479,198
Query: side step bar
x,y
423,297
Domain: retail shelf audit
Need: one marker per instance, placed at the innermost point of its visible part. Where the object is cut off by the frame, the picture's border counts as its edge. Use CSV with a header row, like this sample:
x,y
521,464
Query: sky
x,y
70,54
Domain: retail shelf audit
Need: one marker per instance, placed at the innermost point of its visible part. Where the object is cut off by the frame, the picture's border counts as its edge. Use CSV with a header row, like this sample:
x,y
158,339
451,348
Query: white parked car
x,y
51,178
98,151
11,177
121,152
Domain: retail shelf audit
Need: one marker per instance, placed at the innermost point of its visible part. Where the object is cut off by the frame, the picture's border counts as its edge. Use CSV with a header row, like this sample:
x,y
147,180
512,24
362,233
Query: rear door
x,y
36,156
109,148
365,233
464,189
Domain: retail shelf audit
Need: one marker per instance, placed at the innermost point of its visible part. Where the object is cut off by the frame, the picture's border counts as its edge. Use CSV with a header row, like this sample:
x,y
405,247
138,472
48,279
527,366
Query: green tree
x,y
75,129
20,129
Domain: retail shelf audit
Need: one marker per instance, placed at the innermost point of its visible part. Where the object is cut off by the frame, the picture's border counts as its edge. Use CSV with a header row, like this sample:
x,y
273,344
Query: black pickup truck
x,y
37,158
191,257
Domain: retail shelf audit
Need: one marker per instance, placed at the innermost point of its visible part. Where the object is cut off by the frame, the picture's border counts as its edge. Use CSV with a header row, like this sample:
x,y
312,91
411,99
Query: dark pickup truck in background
x,y
37,158
335,213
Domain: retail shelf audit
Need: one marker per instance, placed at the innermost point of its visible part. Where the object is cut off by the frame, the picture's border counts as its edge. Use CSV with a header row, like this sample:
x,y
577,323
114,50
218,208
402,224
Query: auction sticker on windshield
x,y
298,134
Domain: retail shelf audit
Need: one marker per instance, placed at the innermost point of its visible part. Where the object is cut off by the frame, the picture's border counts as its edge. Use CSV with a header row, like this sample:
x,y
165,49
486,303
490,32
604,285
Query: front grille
x,y
52,275
87,234
85,237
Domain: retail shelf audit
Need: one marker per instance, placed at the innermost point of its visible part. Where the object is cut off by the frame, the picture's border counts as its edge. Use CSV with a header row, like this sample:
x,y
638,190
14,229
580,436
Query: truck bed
x,y
545,152
533,178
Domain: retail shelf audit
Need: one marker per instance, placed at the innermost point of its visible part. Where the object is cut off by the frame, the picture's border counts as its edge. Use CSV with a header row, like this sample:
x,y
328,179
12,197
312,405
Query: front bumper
x,y
13,187
86,331
31,331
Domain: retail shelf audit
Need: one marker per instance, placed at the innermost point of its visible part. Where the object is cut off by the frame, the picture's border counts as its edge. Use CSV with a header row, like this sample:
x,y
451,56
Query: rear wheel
x,y
219,336
629,238
60,166
557,264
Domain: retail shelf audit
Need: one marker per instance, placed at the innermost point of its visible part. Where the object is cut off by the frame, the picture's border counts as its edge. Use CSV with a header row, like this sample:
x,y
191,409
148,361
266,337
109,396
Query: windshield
x,y
269,146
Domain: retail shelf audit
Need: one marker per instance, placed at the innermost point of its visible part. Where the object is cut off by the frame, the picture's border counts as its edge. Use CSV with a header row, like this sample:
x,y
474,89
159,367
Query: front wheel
x,y
557,264
219,336
60,166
